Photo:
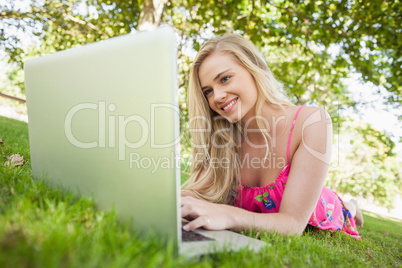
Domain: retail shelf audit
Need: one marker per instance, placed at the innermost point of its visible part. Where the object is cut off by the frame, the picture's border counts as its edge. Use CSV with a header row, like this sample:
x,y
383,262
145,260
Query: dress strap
x,y
291,132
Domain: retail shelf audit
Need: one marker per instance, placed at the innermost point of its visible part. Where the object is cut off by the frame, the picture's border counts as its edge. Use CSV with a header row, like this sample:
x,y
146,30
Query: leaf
x,y
265,194
259,198
1,142
14,160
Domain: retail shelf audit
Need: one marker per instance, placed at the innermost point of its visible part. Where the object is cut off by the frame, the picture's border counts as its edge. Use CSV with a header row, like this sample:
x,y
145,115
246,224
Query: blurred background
x,y
342,55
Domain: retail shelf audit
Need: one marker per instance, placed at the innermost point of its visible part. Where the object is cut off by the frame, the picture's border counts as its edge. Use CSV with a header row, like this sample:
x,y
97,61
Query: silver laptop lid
x,y
104,122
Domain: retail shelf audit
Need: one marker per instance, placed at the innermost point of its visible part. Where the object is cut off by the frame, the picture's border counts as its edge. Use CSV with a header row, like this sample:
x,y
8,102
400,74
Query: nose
x,y
220,95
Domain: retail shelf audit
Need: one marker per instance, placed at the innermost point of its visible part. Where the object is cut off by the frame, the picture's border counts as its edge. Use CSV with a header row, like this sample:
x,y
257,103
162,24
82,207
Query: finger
x,y
189,211
197,223
185,211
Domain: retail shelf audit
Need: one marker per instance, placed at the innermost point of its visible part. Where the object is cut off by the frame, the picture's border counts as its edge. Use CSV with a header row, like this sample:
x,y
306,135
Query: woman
x,y
259,162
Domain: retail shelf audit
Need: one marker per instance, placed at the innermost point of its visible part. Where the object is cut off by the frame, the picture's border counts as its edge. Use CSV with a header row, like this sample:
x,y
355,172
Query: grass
x,y
39,227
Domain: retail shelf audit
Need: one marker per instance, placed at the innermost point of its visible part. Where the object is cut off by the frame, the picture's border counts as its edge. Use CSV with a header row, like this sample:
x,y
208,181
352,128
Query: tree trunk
x,y
151,14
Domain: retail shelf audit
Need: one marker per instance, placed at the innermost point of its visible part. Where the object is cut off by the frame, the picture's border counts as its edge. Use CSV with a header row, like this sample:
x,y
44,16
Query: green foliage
x,y
42,227
367,165
68,23
367,34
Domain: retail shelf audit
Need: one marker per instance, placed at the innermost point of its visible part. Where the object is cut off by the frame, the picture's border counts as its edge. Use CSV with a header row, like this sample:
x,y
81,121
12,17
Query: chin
x,y
232,119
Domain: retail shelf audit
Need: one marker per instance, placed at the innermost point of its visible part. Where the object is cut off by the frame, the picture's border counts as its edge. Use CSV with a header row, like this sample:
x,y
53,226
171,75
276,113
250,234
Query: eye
x,y
225,78
207,92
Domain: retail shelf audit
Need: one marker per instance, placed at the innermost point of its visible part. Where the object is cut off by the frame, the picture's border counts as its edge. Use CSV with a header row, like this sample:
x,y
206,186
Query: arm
x,y
310,164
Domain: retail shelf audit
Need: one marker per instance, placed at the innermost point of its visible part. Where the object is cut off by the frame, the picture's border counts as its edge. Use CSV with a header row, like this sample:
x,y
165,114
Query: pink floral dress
x,y
329,214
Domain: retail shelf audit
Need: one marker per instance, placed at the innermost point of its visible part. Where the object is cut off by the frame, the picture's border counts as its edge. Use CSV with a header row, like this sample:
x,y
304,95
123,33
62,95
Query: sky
x,y
375,114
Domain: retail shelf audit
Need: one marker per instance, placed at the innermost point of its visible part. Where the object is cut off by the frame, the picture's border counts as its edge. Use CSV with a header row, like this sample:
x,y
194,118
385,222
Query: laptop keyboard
x,y
193,236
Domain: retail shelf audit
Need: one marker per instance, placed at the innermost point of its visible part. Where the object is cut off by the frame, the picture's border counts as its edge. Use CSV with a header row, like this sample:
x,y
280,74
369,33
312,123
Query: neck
x,y
271,119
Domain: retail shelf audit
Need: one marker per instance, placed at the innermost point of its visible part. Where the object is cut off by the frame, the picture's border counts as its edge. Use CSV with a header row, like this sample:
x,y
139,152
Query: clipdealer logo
x,y
119,123
116,125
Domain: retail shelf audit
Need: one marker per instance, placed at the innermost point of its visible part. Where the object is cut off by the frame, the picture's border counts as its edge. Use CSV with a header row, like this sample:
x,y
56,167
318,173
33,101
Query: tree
x,y
151,14
366,34
368,165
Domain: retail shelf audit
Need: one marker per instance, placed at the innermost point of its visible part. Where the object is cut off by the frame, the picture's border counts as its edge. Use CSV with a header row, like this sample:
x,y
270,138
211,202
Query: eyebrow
x,y
217,76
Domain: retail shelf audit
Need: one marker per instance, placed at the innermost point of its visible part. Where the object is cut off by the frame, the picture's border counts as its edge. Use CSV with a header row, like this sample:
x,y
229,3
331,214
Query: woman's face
x,y
230,89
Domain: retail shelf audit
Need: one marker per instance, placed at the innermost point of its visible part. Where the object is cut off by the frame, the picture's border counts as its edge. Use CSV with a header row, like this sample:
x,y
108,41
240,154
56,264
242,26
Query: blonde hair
x,y
212,146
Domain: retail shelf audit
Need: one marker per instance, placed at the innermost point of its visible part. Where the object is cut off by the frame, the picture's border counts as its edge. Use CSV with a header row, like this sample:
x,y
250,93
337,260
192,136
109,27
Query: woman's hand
x,y
204,214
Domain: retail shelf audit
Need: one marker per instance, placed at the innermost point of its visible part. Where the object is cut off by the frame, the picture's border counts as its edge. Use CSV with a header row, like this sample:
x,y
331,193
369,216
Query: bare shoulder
x,y
309,117
312,130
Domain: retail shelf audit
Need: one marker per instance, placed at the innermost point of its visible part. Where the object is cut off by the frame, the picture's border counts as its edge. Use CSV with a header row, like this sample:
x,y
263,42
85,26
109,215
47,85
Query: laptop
x,y
104,123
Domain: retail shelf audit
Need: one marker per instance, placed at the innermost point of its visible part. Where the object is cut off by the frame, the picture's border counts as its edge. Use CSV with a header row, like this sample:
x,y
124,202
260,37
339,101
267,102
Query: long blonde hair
x,y
215,152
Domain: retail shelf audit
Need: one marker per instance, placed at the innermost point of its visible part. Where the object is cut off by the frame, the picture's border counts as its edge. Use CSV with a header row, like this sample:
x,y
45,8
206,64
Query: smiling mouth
x,y
230,104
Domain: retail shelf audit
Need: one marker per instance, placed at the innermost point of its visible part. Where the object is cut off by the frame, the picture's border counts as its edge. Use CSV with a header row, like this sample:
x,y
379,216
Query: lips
x,y
228,105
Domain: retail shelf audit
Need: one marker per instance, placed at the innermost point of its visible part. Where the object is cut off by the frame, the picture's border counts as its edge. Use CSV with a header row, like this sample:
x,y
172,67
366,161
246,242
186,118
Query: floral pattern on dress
x,y
268,202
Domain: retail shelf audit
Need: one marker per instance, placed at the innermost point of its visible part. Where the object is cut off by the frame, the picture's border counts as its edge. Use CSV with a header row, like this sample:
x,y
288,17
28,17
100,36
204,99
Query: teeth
x,y
229,105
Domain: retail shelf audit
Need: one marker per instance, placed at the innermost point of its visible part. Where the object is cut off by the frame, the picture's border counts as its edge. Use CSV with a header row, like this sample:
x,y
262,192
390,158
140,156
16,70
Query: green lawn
x,y
40,228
